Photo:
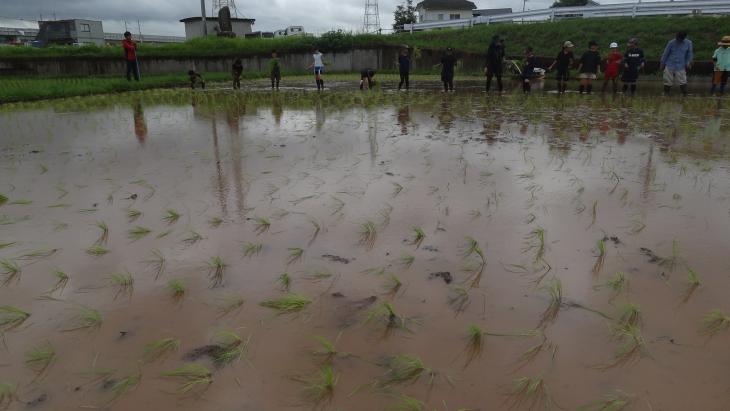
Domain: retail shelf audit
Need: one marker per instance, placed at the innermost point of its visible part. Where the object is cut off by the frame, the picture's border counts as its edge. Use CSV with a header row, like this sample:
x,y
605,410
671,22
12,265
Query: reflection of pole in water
x,y
236,159
276,109
372,134
140,125
221,186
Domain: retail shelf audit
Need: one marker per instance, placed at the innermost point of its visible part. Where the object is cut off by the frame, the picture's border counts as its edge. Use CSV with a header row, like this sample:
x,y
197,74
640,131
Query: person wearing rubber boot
x,y
676,61
721,58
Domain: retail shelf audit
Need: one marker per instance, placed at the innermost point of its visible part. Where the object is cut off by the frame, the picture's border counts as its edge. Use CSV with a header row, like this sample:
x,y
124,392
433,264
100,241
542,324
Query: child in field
x,y
318,64
274,70
721,57
633,62
562,65
613,64
195,79
237,71
448,62
367,75
528,73
590,65
404,68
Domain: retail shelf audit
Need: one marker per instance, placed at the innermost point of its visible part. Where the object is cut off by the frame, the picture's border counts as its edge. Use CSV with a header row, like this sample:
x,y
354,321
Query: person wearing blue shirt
x,y
675,62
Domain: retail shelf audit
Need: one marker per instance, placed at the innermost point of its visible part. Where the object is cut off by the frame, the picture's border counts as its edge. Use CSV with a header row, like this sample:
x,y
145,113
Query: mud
x,y
528,205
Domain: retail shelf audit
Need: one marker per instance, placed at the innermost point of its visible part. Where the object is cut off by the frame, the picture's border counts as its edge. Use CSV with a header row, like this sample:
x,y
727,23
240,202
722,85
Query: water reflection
x,y
140,124
404,119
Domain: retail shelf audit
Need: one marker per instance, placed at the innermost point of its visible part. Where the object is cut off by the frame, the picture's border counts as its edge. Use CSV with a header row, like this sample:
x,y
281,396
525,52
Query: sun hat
x,y
725,41
568,44
613,45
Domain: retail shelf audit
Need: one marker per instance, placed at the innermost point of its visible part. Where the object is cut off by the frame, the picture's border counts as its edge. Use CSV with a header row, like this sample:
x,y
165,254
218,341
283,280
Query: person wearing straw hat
x,y
613,64
676,61
562,65
721,57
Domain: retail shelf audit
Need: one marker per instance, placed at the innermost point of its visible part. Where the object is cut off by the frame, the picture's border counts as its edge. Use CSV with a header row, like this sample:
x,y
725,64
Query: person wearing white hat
x,y
562,65
613,65
721,58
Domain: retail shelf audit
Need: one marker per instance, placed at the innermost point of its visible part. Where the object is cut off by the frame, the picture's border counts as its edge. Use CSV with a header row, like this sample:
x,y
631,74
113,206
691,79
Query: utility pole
x,y
139,29
205,24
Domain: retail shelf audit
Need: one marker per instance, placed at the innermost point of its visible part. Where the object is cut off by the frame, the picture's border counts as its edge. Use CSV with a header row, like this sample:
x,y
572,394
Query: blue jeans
x,y
132,68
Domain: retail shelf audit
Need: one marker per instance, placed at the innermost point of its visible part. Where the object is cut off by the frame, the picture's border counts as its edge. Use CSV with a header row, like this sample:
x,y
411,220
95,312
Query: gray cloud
x,y
161,16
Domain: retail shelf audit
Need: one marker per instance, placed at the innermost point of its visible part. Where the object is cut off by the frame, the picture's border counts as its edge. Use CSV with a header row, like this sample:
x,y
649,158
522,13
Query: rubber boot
x,y
589,88
667,90
633,89
683,88
625,88
581,89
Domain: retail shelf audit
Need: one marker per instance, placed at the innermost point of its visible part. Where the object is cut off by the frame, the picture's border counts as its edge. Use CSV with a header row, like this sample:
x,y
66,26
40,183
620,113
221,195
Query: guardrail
x,y
661,8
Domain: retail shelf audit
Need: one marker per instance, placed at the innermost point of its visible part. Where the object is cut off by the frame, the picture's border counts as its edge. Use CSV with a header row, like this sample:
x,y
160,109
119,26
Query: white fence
x,y
662,8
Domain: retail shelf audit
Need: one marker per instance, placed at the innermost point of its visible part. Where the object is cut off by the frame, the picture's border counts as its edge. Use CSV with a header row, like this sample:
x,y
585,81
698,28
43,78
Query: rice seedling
x,y
530,392
404,369
385,313
693,283
406,403
59,225
40,357
615,401
62,280
295,254
6,245
10,318
472,248
714,322
375,270
636,226
338,206
418,237
177,289
674,259
193,377
96,250
475,342
384,214
231,347
216,269
530,353
7,395
318,275
317,228
104,235
554,289
284,281
633,345
37,254
397,188
288,304
617,284
62,192
156,262
368,234
21,201
138,233
406,260
86,318
594,214
124,386
459,298
228,304
629,316
262,225
251,249
392,284
320,387
601,258
536,241
171,216
215,222
123,282
3,199
133,215
10,271
158,349
327,348
192,237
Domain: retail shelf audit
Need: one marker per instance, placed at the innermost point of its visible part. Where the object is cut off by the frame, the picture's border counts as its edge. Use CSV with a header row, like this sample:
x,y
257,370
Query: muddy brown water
x,y
655,171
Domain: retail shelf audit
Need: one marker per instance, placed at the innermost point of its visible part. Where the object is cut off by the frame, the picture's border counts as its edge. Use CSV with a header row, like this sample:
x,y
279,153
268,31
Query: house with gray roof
x,y
438,10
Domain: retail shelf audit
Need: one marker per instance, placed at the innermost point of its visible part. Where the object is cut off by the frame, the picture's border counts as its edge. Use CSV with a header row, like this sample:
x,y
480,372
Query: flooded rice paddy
x,y
364,251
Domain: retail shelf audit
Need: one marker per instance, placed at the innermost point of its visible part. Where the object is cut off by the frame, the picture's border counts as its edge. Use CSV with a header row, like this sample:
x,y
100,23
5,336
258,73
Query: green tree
x,y
569,3
404,14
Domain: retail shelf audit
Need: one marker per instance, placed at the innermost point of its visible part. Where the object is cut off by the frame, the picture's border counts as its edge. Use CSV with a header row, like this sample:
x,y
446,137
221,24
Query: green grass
x,y
40,357
192,377
290,303
158,349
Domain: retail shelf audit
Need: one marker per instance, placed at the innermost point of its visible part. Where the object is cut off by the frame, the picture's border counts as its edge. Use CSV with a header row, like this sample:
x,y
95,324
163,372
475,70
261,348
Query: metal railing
x,y
660,8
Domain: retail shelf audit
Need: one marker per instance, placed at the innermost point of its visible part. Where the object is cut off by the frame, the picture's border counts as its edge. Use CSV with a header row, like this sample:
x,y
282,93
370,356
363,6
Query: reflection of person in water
x,y
404,117
140,125
319,117
276,109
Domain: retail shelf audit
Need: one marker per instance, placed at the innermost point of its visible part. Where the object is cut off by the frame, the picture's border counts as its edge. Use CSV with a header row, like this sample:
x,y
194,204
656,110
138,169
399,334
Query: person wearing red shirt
x,y
130,55
613,63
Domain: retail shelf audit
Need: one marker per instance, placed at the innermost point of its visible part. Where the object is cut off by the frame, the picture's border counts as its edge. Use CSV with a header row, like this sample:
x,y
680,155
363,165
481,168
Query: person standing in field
x,y
404,68
528,73
274,70
130,55
721,58
195,79
493,66
448,63
590,65
562,65
613,64
676,61
633,62
318,64
237,71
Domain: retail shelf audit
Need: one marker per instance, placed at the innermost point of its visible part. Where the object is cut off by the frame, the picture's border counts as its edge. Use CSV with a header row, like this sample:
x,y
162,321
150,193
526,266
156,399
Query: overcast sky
x,y
161,16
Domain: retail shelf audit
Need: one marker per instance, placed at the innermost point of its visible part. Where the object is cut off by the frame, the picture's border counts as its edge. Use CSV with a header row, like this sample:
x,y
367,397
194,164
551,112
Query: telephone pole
x,y
202,12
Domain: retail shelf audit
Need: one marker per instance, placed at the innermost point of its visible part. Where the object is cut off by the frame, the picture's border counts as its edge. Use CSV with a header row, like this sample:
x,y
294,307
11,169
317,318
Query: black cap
x,y
127,34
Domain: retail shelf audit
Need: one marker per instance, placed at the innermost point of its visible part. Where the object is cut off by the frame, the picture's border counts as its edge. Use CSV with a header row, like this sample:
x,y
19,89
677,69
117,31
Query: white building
x,y
438,10
194,26
290,31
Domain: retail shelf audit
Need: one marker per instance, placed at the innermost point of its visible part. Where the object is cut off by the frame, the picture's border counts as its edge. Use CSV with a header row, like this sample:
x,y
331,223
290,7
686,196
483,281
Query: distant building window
x,y
85,28
454,16
440,16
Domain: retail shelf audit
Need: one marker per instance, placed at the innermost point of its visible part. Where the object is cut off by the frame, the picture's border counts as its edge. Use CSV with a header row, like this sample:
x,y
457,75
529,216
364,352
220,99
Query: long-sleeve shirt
x,y
495,55
677,55
130,49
